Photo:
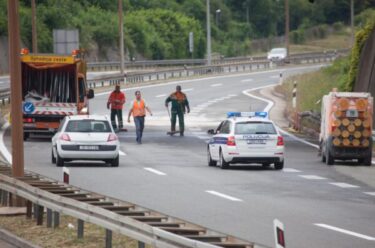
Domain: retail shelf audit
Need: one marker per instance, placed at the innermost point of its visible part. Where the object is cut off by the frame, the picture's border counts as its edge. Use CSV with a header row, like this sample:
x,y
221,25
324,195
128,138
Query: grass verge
x,y
64,236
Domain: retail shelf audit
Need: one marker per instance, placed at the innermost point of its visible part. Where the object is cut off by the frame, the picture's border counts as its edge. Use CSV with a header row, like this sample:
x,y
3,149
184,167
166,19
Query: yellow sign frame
x,y
48,59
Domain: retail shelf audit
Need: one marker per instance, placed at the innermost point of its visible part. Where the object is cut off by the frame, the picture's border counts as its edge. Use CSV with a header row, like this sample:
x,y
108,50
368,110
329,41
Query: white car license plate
x,y
256,141
91,148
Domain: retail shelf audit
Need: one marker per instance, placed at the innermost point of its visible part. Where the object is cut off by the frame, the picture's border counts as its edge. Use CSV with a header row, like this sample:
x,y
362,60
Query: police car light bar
x,y
247,114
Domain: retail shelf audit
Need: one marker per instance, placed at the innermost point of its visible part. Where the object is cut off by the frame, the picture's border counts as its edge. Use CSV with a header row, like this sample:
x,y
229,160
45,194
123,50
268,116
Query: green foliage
x,y
159,28
360,39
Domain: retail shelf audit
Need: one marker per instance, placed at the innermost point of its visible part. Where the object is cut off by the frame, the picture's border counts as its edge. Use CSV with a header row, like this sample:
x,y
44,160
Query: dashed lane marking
x,y
337,229
122,153
345,185
291,170
228,197
162,95
216,85
247,80
370,193
312,177
157,172
189,89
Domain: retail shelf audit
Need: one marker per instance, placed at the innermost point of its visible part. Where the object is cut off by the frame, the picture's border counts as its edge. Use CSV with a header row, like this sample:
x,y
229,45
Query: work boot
x,y
181,133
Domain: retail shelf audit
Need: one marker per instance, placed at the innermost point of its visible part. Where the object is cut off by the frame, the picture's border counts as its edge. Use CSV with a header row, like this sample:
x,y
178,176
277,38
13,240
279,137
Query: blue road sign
x,y
28,107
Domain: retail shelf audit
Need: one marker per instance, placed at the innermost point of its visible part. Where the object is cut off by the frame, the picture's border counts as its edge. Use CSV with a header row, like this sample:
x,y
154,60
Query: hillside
x,y
159,29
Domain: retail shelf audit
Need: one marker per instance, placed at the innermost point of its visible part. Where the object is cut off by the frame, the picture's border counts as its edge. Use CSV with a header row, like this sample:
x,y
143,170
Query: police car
x,y
244,138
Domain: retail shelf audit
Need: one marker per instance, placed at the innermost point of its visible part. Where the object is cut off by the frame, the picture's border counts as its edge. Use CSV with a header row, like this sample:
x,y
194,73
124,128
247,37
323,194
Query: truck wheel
x,y
279,165
223,163
26,136
209,158
366,161
329,159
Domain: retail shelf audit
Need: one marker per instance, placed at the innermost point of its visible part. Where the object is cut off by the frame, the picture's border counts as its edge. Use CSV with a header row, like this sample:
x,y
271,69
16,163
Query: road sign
x,y
279,234
191,42
28,107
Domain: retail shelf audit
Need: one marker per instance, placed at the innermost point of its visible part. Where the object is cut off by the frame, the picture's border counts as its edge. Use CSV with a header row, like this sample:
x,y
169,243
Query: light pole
x,y
121,32
15,89
218,12
33,27
208,33
287,27
352,21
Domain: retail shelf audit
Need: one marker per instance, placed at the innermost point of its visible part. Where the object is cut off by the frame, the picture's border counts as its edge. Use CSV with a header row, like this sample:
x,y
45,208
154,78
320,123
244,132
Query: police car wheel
x,y
279,165
115,162
223,163
209,158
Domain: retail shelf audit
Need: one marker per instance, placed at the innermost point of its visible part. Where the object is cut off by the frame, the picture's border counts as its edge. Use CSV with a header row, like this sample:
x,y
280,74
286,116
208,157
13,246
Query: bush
x,y
298,36
338,26
360,39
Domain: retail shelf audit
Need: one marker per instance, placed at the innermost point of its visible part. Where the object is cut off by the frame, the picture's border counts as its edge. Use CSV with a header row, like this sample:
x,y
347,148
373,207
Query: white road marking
x,y
275,76
370,193
213,101
345,185
291,170
232,95
216,85
122,153
231,198
189,89
247,80
358,235
155,171
312,177
162,95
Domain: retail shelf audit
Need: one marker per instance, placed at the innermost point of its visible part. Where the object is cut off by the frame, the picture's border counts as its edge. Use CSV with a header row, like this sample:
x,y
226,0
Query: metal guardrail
x,y
248,66
232,66
146,64
144,225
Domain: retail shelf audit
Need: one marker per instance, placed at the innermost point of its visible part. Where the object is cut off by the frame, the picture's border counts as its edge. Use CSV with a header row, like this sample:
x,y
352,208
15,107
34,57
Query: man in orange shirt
x,y
116,102
138,109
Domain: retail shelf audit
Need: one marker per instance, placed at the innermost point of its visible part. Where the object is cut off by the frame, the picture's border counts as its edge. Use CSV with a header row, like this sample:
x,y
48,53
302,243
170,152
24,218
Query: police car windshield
x,y
254,128
88,126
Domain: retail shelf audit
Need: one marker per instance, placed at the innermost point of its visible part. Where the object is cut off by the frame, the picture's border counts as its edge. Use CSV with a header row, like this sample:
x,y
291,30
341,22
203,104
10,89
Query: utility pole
x,y
121,31
287,27
208,33
33,27
352,22
15,89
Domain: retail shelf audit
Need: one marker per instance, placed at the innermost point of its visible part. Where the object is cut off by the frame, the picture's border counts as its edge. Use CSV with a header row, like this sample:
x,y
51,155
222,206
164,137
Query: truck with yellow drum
x,y
346,127
53,86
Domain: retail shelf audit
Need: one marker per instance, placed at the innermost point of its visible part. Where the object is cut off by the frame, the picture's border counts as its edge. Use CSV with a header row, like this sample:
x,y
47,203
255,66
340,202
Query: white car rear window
x,y
254,128
88,126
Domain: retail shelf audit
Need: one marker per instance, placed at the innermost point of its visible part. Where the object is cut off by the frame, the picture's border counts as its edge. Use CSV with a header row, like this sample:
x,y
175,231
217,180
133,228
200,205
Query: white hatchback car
x,y
246,137
85,137
277,54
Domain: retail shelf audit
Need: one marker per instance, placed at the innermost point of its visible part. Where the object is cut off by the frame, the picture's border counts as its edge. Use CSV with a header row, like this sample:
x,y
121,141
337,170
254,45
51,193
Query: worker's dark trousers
x,y
118,113
180,121
139,122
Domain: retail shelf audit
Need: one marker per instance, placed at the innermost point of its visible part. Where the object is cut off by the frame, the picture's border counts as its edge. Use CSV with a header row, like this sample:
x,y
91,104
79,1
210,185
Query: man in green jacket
x,y
180,105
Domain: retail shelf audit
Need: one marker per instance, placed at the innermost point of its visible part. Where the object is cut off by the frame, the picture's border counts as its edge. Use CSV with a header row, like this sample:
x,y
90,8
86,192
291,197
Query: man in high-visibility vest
x,y
180,105
116,102
138,109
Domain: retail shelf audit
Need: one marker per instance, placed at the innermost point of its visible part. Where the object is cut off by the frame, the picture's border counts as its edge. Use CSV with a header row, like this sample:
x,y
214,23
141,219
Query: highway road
x,y
319,205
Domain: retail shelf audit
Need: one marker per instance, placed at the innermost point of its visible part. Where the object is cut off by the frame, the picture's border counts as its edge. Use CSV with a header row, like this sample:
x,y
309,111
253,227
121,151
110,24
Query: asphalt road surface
x,y
319,206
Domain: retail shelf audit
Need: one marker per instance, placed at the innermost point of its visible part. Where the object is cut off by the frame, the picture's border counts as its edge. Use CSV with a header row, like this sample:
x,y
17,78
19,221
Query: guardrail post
x,y
49,217
80,228
157,76
56,219
29,209
35,212
108,238
141,244
165,75
39,219
4,198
